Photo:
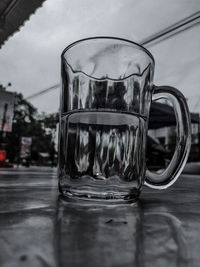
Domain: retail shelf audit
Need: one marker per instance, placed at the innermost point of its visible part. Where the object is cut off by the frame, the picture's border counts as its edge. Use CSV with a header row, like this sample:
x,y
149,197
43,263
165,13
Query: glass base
x,y
101,197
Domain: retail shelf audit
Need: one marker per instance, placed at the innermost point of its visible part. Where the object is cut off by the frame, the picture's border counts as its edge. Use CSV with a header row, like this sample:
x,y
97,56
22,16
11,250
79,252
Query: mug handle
x,y
183,140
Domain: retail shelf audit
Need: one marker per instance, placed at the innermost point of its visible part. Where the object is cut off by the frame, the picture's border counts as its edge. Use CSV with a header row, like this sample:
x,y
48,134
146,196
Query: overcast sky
x,y
30,60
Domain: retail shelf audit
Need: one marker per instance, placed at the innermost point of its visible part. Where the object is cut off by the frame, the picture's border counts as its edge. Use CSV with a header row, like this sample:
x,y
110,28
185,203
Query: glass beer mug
x,y
107,90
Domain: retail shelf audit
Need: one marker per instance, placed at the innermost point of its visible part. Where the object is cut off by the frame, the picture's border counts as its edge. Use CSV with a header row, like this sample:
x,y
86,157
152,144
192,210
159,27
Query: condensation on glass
x,y
107,89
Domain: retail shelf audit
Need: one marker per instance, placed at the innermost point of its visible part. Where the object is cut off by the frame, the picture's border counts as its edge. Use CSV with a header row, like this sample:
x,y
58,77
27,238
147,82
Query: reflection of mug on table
x,y
164,241
123,235
107,88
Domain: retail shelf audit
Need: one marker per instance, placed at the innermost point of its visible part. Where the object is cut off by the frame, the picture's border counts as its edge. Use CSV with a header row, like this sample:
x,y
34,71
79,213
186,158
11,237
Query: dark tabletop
x,y
39,228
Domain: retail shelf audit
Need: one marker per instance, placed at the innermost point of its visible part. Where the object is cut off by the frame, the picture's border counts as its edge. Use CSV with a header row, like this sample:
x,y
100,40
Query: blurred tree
x,y
48,124
27,122
2,87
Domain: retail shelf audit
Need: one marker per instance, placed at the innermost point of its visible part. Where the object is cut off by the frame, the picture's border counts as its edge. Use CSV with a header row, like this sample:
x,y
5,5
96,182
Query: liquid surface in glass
x,y
103,148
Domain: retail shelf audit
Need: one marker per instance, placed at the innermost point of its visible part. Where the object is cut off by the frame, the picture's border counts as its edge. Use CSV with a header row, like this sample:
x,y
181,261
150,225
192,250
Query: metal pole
x,y
2,135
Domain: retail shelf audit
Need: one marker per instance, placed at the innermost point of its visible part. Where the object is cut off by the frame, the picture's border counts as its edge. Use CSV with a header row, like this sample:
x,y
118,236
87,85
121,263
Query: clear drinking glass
x,y
107,90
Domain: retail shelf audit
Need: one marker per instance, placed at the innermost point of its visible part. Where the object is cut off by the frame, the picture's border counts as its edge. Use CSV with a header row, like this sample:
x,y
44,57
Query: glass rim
x,y
108,37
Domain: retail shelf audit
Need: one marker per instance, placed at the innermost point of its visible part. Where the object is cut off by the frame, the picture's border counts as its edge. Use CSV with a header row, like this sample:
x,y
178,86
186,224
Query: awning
x,y
162,115
13,14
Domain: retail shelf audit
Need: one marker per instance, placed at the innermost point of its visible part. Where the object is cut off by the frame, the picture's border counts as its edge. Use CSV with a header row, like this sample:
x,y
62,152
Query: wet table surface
x,y
39,228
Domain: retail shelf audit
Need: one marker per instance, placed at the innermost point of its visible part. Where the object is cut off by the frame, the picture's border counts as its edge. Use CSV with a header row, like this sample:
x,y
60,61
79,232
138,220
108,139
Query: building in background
x,y
167,137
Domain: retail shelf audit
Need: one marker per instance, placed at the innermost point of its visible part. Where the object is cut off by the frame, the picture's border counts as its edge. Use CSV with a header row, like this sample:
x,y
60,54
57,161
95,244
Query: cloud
x,y
31,59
